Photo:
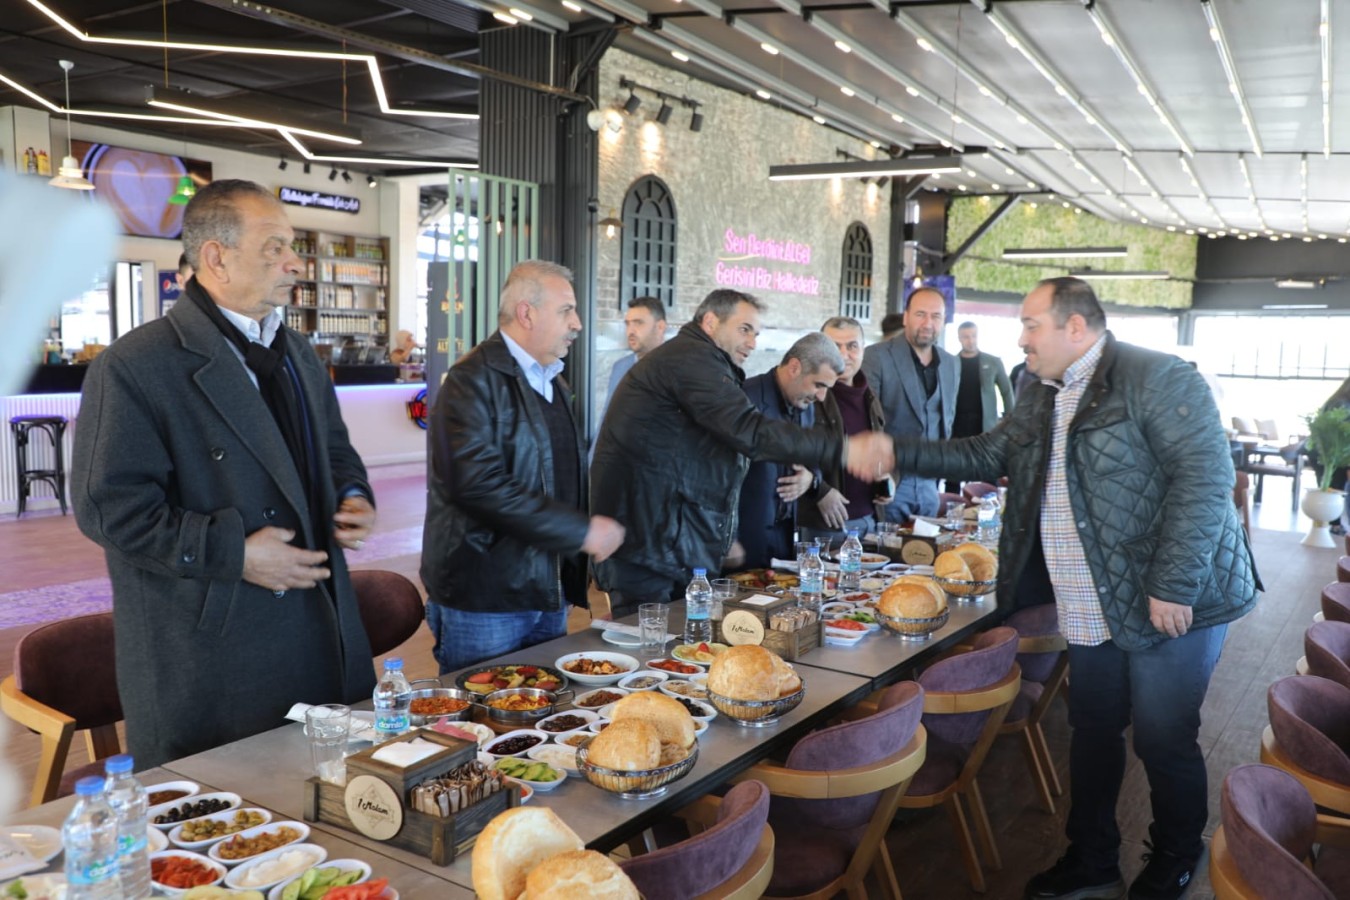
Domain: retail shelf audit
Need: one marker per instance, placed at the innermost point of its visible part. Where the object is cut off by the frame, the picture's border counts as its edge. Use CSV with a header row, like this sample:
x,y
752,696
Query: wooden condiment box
x,y
787,644
440,839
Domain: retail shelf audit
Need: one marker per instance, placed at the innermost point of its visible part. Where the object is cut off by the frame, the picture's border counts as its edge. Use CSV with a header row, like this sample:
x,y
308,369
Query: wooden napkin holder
x,y
787,644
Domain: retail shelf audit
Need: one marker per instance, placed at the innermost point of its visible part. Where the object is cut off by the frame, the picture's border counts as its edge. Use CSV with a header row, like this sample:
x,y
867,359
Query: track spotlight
x,y
696,121
332,176
663,114
306,167
631,105
370,180
282,165
347,177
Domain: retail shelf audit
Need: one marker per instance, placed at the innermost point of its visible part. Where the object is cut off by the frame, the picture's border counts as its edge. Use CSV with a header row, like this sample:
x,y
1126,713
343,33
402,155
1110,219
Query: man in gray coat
x,y
916,382
212,465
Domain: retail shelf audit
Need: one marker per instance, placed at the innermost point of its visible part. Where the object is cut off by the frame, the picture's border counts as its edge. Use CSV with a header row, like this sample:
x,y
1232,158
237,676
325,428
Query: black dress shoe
x,y
1165,876
1070,879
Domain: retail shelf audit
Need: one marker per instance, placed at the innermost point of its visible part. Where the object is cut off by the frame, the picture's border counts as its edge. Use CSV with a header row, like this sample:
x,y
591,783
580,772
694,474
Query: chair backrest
x,y
992,657
1037,658
852,745
1326,646
946,500
700,864
391,608
1246,426
1336,602
70,666
1269,823
974,490
1268,429
1310,718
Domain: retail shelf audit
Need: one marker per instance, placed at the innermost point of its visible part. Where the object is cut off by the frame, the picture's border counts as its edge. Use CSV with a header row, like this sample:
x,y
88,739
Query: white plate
x,y
176,835
187,854
233,799
677,654
875,560
237,875
580,701
564,758
542,785
482,732
627,682
622,660
519,732
840,639
620,639
301,829
586,714
833,631
41,841
191,787
41,887
345,865
681,687
155,840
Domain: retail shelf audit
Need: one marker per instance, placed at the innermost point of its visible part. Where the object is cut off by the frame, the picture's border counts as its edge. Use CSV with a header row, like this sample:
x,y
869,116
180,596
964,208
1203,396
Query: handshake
x,y
870,455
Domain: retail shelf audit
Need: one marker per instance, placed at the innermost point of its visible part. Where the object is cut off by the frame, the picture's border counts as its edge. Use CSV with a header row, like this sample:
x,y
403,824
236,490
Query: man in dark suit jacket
x,y
917,382
769,494
212,465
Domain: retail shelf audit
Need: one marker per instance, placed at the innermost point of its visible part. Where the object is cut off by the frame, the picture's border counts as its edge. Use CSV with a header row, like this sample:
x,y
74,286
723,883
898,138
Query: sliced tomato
x,y
527,671
544,685
480,677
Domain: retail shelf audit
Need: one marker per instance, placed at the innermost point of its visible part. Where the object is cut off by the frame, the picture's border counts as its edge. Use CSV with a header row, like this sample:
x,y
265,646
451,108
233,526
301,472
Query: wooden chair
x,y
962,722
1269,828
1307,713
1335,602
391,608
1326,649
64,681
834,801
1343,569
1043,655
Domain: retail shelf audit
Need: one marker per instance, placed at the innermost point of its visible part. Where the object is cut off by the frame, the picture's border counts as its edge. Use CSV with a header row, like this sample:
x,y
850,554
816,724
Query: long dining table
x,y
269,770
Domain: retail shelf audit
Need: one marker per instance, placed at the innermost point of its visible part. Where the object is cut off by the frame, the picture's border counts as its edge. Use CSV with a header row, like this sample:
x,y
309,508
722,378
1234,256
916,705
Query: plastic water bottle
x,y
988,518
850,562
698,609
90,840
811,589
393,696
126,796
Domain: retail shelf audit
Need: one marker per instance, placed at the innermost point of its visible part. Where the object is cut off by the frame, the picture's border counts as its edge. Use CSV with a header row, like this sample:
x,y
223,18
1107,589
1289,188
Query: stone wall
x,y
719,180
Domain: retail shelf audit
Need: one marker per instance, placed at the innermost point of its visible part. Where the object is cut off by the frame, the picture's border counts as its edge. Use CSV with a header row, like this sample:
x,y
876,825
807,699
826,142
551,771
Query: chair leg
x,y
963,837
1031,752
102,742
52,763
1047,761
884,870
982,829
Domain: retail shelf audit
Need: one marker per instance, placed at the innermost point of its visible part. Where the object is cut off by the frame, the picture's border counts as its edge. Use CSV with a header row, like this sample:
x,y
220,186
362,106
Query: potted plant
x,y
1329,439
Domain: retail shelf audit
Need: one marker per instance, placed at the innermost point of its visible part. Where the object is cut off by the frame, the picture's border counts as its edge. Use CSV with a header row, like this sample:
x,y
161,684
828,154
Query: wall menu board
x,y
137,184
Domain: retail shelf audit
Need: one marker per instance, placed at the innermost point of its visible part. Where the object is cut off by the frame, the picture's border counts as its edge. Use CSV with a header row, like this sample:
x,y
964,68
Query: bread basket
x,y
634,785
756,713
965,591
913,629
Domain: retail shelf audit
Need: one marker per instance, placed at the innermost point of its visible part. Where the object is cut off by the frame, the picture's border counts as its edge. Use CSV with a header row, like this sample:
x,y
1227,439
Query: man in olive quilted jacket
x,y
1119,510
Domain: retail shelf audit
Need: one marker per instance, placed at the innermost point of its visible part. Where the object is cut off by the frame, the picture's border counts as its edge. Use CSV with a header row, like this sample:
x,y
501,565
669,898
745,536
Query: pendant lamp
x,y
185,192
70,176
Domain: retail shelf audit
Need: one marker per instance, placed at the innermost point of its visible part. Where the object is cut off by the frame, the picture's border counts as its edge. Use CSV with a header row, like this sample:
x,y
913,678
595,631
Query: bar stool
x,y
55,429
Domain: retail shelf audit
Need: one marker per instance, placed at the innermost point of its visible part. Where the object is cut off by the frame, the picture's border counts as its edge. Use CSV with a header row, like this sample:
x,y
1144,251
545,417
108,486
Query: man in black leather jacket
x,y
1120,510
506,529
674,447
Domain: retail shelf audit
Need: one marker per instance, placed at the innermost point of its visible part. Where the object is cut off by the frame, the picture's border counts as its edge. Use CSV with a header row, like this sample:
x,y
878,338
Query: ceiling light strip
x,y
372,64
581,6
370,160
185,103
898,168
1216,34
109,114
1112,39
1251,189
1200,190
1094,275
1324,33
1152,188
1023,45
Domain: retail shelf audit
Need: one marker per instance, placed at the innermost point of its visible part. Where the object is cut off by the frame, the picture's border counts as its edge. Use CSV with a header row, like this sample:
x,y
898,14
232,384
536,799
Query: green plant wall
x,y
1051,225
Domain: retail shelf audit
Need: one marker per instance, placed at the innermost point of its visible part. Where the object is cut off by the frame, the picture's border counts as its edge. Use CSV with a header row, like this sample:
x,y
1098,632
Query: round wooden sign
x,y
742,627
373,807
917,553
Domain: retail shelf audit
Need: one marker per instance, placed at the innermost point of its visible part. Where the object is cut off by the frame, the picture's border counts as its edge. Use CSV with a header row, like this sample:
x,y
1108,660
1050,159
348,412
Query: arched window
x,y
855,284
647,260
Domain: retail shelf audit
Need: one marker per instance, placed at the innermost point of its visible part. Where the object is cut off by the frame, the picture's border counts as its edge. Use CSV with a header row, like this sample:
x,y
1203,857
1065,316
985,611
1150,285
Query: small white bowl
x,y
155,840
519,732
623,661
240,876
556,755
191,787
835,608
580,701
526,792
565,740
700,727
186,854
598,725
708,712
543,786
345,865
176,835
691,688
636,681
301,833
232,799
586,714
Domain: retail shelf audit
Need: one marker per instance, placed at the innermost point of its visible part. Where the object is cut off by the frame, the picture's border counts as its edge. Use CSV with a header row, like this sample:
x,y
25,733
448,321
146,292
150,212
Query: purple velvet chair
x,y
836,795
945,500
966,698
1043,655
731,860
1269,827
974,490
1343,569
391,608
1336,602
1309,736
64,681
1326,648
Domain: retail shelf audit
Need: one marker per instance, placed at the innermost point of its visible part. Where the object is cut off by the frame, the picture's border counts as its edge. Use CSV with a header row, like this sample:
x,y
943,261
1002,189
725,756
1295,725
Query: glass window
x,y
855,283
647,257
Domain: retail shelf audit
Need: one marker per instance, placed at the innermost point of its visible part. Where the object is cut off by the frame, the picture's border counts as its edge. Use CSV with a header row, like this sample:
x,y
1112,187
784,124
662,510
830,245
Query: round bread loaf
x,y
982,564
750,672
628,746
951,564
514,843
912,598
672,722
579,875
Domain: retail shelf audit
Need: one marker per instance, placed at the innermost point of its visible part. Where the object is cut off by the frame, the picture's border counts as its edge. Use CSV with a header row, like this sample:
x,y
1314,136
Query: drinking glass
x,y
328,726
724,589
888,534
956,516
653,619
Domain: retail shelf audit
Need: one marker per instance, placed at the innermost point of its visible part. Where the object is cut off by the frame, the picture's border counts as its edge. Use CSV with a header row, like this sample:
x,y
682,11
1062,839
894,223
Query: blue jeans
x,y
914,496
1159,691
464,638
864,525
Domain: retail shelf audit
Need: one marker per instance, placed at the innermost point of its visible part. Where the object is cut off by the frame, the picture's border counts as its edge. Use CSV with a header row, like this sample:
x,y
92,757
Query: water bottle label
x,y
128,844
96,872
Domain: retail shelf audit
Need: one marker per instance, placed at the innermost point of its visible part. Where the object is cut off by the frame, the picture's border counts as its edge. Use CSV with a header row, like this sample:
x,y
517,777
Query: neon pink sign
x,y
738,248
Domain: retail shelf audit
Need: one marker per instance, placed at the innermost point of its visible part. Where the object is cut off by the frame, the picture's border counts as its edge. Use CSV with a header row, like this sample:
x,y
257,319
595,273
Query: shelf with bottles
x,y
313,321
333,245
312,295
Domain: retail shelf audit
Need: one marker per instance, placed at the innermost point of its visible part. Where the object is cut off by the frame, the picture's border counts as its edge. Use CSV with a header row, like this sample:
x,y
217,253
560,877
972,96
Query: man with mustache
x,y
212,465
503,550
916,381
